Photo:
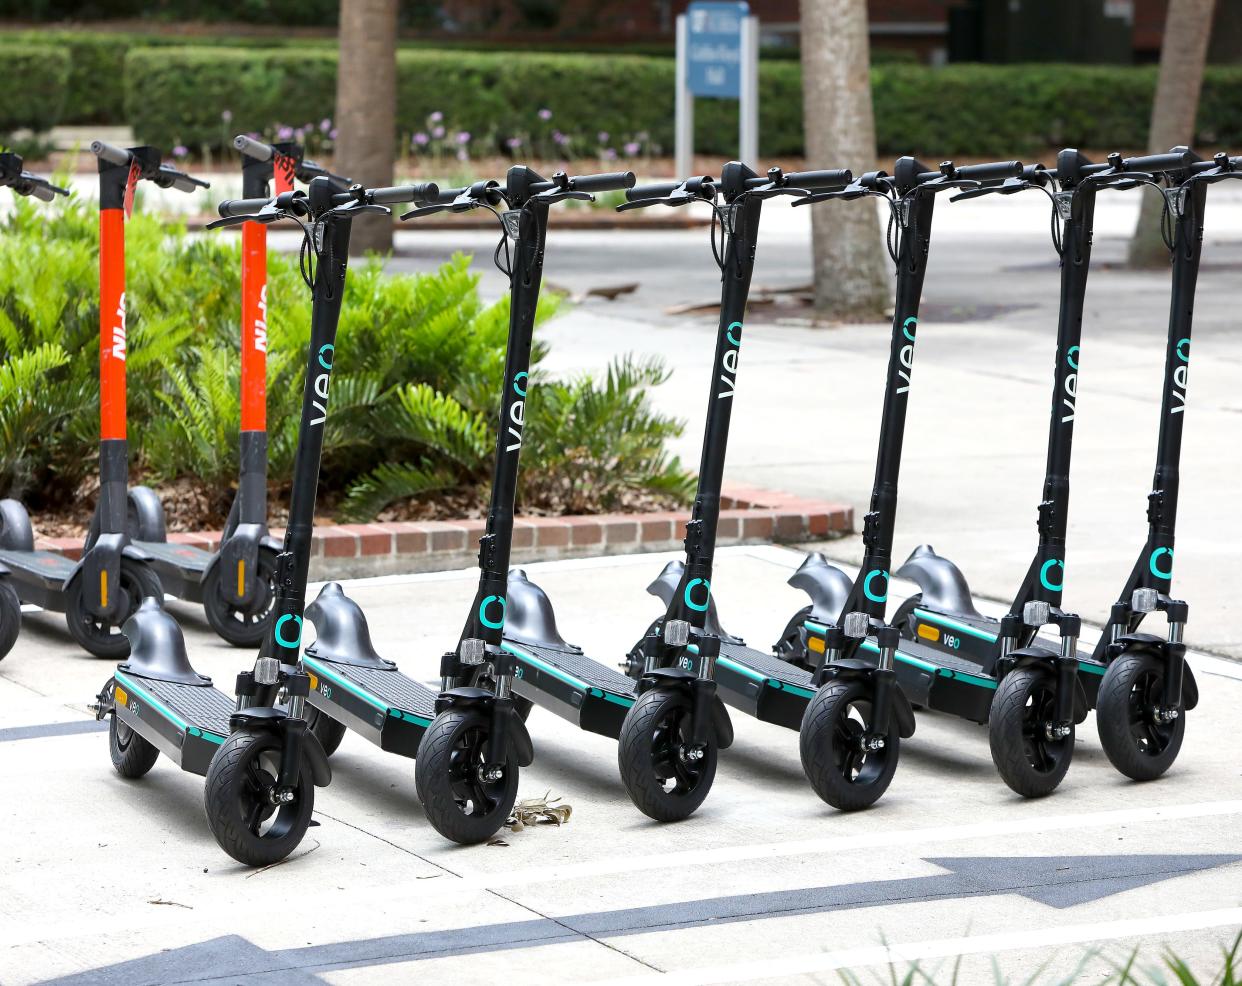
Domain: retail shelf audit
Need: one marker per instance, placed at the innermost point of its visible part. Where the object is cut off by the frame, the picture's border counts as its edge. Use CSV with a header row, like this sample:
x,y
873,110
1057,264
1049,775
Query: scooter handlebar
x,y
817,181
701,186
613,181
113,155
1157,163
170,177
992,171
425,192
231,208
254,148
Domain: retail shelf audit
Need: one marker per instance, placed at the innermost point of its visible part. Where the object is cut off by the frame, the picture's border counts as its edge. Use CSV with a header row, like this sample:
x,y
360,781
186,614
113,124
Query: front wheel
x,y
466,799
665,773
103,637
1139,741
242,627
10,617
1031,756
246,821
844,762
132,756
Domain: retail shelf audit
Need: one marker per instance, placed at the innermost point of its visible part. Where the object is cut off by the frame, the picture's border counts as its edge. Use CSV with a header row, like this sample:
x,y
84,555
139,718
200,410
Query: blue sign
x,y
714,48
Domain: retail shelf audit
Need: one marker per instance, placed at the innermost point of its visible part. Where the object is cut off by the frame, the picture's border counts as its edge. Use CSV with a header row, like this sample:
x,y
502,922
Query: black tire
x,y
1136,744
327,730
10,618
242,628
1023,706
483,679
844,775
103,638
460,805
245,824
660,782
132,756
791,646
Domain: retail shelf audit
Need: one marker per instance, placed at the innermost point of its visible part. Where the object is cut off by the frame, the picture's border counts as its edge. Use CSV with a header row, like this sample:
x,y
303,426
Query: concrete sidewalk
x,y
105,881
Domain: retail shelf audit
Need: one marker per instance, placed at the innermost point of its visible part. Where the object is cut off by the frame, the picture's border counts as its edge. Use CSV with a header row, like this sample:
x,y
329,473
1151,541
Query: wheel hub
x,y
1165,714
1057,730
491,774
280,796
692,754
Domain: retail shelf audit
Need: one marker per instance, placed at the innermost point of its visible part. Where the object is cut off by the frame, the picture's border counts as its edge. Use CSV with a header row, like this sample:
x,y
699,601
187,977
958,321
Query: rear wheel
x,y
103,637
836,758
327,730
242,627
238,798
1138,740
1031,759
666,775
792,647
466,799
10,617
903,618
132,756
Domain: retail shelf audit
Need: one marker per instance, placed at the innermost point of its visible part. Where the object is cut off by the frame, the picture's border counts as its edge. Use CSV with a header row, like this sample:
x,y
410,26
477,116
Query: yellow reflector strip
x,y
241,577
816,644
929,632
103,589
121,696
314,681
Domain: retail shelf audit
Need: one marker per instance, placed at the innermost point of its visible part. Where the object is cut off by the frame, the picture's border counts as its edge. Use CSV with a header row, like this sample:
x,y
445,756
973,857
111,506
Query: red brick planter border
x,y
747,516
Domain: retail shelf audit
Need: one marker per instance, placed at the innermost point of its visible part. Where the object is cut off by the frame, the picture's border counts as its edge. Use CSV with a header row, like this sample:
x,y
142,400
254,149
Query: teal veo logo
x,y
519,383
1070,397
320,401
1045,575
688,595
517,411
1181,374
1154,563
905,356
876,596
728,362
280,631
485,605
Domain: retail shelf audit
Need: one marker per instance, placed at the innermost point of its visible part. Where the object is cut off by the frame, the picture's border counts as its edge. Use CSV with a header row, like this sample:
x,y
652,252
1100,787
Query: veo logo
x,y
517,411
260,323
728,362
1071,385
118,331
321,384
1180,375
906,355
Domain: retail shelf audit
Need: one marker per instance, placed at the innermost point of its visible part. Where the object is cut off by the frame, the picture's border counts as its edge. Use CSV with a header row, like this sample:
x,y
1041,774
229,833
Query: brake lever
x,y
351,209
771,191
847,194
560,195
1010,186
679,197
463,203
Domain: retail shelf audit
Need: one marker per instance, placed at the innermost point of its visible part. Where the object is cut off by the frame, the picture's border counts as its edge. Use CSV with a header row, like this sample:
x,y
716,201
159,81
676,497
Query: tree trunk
x,y
1187,30
1226,46
366,108
850,270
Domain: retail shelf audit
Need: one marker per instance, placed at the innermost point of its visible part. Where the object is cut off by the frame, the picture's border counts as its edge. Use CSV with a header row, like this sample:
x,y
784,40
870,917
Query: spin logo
x,y
1070,387
905,356
320,401
1180,375
260,323
517,412
118,331
728,362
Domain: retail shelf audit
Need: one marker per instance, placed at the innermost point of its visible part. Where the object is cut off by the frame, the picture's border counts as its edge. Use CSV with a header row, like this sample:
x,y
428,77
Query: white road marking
x,y
906,952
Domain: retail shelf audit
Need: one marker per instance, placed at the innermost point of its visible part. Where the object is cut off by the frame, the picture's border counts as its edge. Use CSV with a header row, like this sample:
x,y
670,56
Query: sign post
x,y
717,57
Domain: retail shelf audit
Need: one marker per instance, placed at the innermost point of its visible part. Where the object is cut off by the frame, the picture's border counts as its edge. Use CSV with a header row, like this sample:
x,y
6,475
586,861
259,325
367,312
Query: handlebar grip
x,y
992,171
184,183
1171,161
231,208
819,180
613,181
657,190
113,155
42,191
424,192
254,148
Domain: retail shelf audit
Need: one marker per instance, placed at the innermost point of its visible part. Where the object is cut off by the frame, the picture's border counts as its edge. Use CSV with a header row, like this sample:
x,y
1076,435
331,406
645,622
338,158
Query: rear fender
x,y
144,515
942,584
16,533
827,585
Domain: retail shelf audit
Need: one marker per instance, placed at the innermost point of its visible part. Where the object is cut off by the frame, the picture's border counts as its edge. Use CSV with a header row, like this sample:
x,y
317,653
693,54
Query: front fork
x,y
676,637
261,688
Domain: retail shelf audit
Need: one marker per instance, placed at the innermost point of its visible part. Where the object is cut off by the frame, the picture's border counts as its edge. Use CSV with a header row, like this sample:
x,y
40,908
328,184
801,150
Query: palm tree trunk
x,y
1187,29
366,107
851,277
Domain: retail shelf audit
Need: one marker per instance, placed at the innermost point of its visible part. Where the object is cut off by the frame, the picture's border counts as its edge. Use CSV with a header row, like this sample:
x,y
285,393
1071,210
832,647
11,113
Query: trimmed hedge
x,y
959,109
36,101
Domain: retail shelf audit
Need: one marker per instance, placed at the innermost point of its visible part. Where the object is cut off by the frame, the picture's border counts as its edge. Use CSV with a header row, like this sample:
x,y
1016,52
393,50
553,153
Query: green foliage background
x,y
413,408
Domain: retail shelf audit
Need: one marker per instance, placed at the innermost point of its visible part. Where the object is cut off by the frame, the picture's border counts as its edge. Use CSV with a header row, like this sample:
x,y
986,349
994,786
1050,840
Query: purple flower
x,y
437,132
608,154
325,125
513,143
332,134
603,136
559,138
463,136
436,117
463,154
420,139
284,133
299,134
545,114
632,148
227,116
180,151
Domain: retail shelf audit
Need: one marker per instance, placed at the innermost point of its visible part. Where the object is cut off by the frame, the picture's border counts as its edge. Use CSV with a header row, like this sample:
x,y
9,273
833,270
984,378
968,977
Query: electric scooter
x,y
1137,682
666,760
102,590
509,652
261,764
1029,693
235,583
16,535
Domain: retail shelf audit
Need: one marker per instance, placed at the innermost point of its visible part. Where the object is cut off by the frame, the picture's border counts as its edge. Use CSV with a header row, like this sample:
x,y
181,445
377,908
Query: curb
x,y
747,516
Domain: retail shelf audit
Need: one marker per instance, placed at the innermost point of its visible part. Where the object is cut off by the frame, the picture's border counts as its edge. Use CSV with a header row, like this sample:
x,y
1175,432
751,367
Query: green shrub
x,y
414,398
38,82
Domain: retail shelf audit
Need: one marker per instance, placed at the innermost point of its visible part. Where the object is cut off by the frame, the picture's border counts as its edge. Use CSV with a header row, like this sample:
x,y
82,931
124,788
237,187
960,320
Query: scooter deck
x,y
387,707
179,566
38,576
562,679
186,723
763,685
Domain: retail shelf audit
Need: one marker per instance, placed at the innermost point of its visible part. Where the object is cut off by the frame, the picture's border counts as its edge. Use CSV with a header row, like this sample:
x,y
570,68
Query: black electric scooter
x,y
659,741
261,764
16,534
509,653
1030,693
102,590
235,584
1137,682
